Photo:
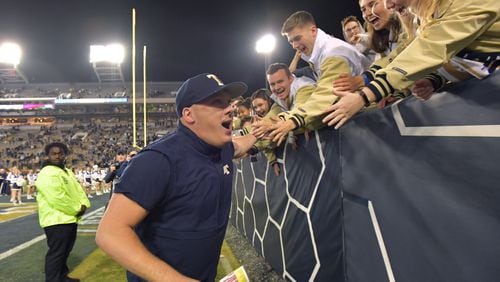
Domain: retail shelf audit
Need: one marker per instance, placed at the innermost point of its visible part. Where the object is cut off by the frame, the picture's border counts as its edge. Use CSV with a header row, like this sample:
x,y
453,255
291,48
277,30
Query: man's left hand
x,y
340,112
280,130
346,82
261,127
422,89
276,168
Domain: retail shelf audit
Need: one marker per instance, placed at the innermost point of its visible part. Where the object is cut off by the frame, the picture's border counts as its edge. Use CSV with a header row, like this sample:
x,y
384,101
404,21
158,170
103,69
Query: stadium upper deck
x,y
39,103
87,90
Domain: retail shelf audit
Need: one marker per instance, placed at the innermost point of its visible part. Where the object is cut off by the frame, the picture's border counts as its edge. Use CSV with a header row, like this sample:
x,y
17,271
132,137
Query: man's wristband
x,y
366,79
365,98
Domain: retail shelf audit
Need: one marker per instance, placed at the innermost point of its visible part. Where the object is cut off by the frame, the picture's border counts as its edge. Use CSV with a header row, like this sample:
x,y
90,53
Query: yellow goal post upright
x,y
144,109
134,128
134,110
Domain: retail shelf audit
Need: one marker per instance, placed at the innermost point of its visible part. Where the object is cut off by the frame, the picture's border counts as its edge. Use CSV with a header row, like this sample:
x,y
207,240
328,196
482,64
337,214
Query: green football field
x,y
23,247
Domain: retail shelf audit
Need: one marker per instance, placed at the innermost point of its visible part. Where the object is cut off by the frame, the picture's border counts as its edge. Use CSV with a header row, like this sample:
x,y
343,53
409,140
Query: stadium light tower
x,y
265,45
10,57
106,61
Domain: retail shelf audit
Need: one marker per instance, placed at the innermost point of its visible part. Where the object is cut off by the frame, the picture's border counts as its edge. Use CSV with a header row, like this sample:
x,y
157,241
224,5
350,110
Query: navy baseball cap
x,y
202,86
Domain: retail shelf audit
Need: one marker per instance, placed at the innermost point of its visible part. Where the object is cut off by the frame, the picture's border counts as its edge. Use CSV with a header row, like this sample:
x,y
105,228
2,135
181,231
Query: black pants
x,y
60,240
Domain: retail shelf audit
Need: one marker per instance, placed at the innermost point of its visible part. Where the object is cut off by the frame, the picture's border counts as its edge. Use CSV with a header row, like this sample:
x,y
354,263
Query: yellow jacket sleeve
x,y
264,146
274,111
458,24
270,155
60,196
322,96
386,60
267,148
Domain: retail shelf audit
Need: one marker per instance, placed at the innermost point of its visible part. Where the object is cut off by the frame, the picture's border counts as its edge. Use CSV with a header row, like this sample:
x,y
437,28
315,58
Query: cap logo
x,y
212,76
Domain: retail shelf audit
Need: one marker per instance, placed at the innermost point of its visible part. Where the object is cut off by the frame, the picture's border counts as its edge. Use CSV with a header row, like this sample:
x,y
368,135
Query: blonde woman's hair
x,y
409,24
424,10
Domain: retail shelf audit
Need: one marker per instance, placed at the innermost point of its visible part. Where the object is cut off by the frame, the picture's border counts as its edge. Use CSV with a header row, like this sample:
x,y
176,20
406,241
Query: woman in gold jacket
x,y
456,34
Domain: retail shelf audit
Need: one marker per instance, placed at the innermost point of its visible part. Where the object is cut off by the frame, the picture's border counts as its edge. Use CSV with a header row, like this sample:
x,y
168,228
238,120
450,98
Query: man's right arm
x,y
117,238
110,175
323,95
295,61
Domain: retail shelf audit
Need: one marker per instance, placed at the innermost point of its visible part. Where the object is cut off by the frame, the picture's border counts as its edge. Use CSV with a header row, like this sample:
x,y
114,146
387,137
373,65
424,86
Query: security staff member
x,y
61,203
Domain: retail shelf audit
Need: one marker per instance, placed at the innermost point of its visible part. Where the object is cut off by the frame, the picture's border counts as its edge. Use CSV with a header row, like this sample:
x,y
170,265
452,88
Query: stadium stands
x,y
93,128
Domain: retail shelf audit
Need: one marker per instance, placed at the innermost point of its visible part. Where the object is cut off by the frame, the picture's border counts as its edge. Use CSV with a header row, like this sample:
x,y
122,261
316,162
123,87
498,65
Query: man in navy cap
x,y
168,216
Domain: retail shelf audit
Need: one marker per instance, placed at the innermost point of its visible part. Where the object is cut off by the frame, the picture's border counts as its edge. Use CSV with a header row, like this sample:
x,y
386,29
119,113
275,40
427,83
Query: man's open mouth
x,y
227,124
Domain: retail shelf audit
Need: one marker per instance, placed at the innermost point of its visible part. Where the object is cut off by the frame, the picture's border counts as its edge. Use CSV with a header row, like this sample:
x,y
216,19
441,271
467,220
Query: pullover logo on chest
x,y
225,168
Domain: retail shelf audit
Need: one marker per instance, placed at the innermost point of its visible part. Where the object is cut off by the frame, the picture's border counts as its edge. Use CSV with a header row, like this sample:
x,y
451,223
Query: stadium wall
x,y
407,193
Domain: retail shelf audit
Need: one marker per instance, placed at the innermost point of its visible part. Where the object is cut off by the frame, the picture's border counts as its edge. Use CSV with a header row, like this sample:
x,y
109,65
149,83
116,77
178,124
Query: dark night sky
x,y
183,38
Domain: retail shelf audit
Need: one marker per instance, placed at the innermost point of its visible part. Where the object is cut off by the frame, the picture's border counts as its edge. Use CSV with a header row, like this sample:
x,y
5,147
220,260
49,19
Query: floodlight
x,y
116,53
106,61
112,53
10,53
265,44
97,53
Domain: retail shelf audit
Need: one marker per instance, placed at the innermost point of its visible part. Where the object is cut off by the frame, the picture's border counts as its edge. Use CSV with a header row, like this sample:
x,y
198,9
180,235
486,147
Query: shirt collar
x,y
199,145
319,42
47,162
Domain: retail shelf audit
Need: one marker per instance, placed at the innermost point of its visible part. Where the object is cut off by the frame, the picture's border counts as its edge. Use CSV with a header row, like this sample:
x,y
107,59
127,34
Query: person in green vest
x,y
61,204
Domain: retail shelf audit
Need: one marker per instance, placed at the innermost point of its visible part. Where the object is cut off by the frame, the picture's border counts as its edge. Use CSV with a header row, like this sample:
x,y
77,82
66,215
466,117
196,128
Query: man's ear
x,y
187,115
314,30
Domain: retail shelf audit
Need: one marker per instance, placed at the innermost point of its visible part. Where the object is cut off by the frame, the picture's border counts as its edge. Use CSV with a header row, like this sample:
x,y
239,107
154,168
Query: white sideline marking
x,y
17,211
29,209
19,208
21,247
381,243
33,241
87,230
